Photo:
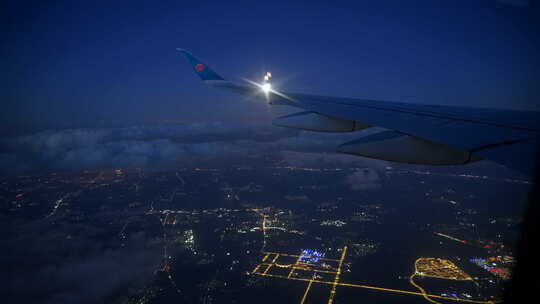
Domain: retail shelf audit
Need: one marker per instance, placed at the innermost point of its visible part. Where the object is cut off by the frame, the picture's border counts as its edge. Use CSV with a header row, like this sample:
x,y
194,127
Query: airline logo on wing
x,y
199,67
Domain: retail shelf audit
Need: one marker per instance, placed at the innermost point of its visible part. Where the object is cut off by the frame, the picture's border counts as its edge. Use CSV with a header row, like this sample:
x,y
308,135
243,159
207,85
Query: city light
x,y
244,229
310,256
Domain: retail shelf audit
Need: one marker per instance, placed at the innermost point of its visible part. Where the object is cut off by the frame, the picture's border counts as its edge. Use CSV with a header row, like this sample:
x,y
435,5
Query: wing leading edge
x,y
420,134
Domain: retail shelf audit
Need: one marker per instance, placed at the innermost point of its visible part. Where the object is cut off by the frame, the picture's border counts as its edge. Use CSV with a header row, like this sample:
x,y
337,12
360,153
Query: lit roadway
x,y
337,283
267,264
431,267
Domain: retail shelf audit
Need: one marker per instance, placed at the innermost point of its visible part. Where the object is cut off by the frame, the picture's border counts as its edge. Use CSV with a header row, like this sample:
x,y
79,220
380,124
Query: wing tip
x,y
201,69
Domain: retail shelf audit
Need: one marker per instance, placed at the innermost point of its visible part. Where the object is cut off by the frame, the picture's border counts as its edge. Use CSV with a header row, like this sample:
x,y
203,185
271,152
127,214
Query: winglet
x,y
201,69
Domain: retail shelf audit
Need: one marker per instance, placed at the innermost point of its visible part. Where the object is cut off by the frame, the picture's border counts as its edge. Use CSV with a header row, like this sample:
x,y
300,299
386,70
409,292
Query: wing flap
x,y
399,147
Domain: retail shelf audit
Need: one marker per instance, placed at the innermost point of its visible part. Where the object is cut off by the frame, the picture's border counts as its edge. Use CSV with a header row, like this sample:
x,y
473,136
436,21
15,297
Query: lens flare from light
x,y
285,99
266,87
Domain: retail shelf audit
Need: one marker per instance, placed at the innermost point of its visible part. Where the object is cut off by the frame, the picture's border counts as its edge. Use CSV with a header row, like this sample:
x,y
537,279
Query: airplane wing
x,y
417,133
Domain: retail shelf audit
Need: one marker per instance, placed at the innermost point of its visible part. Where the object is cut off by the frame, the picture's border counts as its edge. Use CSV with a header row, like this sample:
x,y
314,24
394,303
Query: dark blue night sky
x,y
98,63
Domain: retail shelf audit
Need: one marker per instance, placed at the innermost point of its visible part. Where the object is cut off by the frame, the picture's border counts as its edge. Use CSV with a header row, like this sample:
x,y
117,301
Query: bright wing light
x,y
266,87
268,91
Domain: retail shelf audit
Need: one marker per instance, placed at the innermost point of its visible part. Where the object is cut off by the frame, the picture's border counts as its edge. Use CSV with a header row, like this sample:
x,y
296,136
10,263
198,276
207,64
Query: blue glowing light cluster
x,y
310,256
482,263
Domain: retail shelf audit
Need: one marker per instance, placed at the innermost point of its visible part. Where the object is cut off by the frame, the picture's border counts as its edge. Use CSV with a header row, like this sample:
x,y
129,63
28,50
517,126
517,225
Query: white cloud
x,y
365,179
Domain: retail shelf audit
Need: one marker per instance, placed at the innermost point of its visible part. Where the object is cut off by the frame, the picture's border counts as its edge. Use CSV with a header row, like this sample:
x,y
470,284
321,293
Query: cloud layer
x,y
160,147
365,179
